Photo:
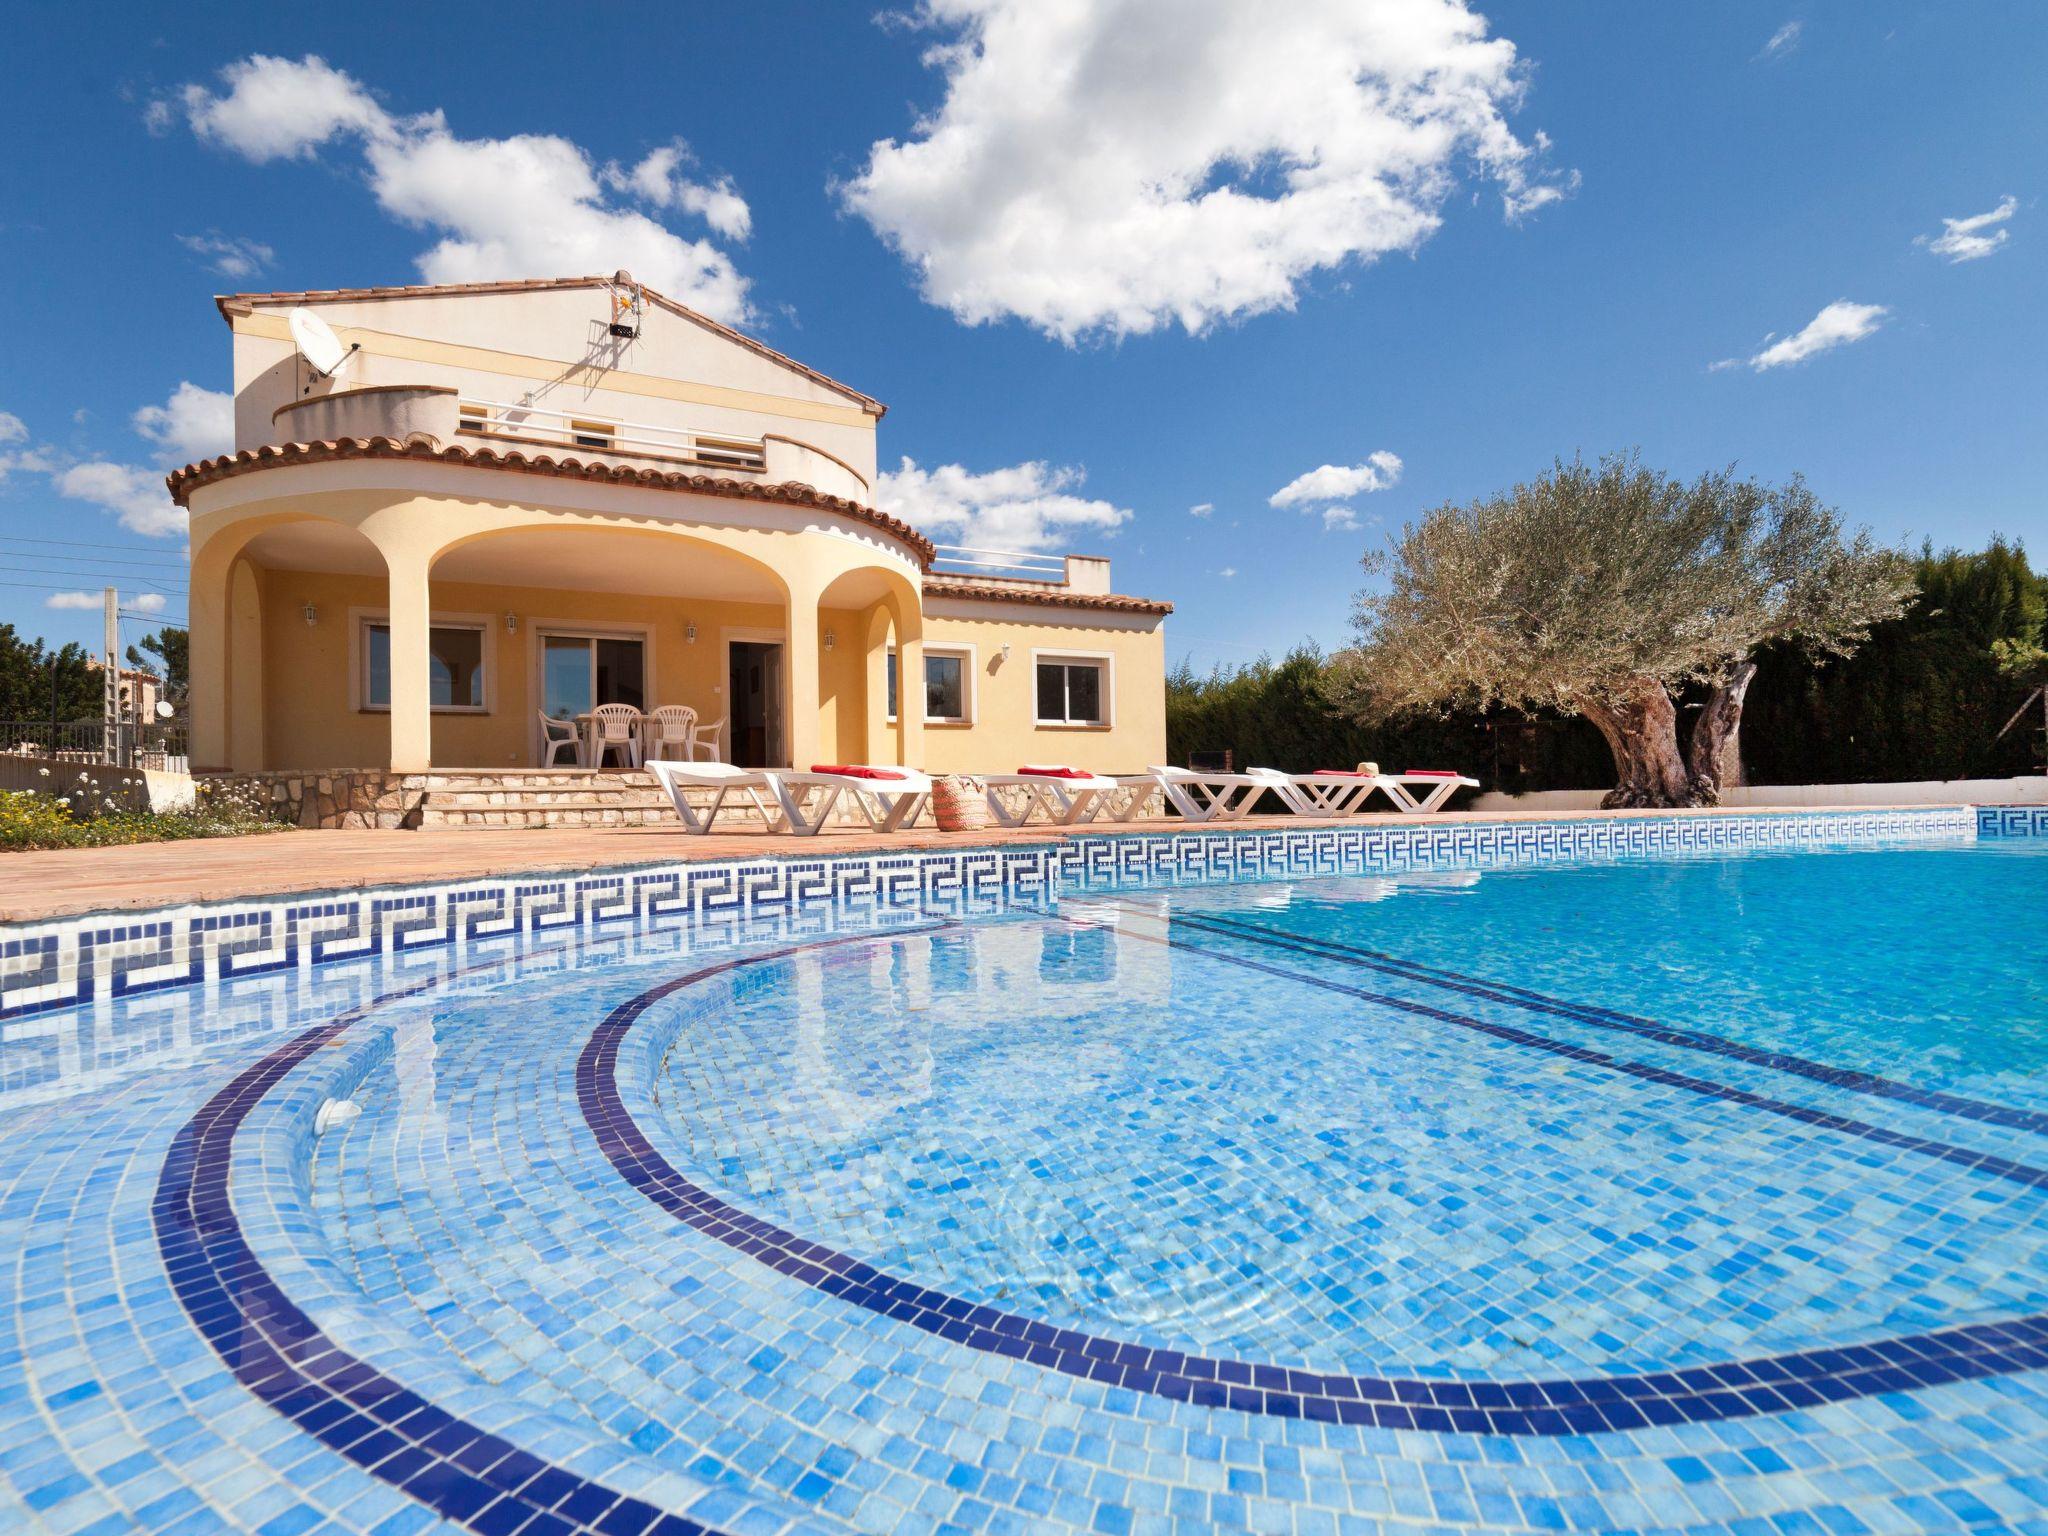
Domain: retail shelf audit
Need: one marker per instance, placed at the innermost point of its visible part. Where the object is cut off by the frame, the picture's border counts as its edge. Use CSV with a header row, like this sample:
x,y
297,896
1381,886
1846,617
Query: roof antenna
x,y
627,305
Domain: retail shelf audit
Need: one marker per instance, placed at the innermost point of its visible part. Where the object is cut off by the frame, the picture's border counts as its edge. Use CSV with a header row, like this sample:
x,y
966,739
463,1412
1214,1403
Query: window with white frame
x,y
1073,690
948,686
455,666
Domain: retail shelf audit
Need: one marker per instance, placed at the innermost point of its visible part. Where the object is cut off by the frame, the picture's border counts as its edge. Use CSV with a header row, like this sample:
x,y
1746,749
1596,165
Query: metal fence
x,y
155,744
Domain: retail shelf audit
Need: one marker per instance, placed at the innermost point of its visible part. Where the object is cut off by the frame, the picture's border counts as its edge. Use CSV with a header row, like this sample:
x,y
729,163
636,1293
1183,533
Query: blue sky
x,y
1641,194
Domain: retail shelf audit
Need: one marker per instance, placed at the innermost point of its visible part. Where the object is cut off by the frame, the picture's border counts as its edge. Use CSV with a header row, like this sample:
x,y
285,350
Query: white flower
x,y
43,773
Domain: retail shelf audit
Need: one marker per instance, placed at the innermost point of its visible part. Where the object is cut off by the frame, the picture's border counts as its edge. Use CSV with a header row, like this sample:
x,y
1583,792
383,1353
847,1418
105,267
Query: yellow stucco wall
x,y
310,721
1005,734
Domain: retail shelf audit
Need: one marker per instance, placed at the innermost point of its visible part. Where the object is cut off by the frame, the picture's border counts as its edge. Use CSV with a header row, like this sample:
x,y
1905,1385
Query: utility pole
x,y
110,709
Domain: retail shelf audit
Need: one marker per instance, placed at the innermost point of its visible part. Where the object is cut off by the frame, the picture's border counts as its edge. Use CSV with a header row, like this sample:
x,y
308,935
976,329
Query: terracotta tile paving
x,y
62,882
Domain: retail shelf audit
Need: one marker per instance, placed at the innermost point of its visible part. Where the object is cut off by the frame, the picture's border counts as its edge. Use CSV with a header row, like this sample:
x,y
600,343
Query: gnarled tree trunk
x,y
1714,756
1640,723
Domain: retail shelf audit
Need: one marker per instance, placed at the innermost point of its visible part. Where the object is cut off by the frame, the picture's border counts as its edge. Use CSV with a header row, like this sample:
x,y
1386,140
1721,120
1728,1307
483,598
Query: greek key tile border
x,y
101,957
2012,821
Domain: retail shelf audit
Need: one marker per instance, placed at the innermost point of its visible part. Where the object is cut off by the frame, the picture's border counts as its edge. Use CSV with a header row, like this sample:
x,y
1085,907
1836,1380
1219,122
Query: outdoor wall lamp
x,y
830,639
312,615
689,632
511,623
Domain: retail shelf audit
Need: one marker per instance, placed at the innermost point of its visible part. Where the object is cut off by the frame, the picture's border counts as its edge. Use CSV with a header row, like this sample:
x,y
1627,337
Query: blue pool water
x,y
1683,1194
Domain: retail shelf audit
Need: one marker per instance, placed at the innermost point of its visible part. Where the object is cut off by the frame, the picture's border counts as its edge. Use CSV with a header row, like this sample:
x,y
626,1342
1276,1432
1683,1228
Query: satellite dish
x,y
317,343
165,709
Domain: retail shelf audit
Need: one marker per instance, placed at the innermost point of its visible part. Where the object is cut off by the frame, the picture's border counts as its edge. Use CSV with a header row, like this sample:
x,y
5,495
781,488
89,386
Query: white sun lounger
x,y
724,780
885,803
1203,796
1436,788
1346,793
1061,796
1318,794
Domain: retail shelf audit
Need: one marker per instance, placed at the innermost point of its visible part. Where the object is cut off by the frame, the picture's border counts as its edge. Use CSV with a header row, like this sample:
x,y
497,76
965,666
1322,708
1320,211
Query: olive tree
x,y
1605,590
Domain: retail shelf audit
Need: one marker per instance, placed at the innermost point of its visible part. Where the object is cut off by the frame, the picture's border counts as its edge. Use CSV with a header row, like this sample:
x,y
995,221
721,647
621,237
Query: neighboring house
x,y
140,690
499,508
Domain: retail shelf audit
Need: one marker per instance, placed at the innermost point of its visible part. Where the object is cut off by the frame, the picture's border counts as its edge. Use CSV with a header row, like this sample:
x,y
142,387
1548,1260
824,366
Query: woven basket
x,y
959,803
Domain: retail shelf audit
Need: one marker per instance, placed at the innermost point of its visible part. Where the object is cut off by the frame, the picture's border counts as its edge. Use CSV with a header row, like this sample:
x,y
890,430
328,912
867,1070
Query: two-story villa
x,y
530,498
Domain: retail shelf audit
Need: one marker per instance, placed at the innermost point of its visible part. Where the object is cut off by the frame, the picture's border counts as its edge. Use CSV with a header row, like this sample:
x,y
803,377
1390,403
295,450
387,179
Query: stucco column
x,y
206,613
412,716
800,732
245,669
910,684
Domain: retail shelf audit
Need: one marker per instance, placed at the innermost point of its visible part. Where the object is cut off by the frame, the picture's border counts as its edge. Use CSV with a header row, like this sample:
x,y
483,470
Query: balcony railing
x,y
597,434
1004,564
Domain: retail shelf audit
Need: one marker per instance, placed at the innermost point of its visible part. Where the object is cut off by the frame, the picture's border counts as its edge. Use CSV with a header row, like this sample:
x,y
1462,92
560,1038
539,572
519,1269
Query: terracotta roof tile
x,y
231,303
1046,596
183,482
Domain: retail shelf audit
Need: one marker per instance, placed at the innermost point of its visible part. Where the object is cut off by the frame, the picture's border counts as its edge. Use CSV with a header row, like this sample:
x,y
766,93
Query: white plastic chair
x,y
1202,796
668,733
887,799
709,740
724,781
557,734
615,728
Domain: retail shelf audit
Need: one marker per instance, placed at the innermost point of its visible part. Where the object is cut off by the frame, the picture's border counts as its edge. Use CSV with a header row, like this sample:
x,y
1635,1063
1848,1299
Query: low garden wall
x,y
2031,790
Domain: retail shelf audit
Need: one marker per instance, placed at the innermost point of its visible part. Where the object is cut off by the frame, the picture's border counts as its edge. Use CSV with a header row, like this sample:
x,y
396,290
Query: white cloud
x,y
12,428
229,255
1027,507
36,460
1966,240
1112,166
136,496
1202,509
1783,41
278,109
654,181
139,602
531,205
1227,572
193,424
1835,326
1339,519
1338,482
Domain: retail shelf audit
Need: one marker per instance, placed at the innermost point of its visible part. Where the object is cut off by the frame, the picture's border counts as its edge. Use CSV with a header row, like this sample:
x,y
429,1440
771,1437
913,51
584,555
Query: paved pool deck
x,y
65,882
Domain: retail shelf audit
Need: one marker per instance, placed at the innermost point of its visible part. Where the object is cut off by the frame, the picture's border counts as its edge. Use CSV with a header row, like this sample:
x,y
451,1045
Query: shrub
x,y
82,815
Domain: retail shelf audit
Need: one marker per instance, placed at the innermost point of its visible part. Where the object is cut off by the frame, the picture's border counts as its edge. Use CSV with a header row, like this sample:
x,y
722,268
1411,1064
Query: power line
x,y
122,549
133,565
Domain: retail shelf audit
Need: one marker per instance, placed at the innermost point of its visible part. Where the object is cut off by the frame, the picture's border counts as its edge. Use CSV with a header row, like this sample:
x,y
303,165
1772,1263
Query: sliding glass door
x,y
579,672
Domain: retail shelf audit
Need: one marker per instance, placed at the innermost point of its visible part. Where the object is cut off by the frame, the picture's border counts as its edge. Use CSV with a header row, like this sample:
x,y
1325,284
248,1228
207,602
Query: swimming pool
x,y
1691,1183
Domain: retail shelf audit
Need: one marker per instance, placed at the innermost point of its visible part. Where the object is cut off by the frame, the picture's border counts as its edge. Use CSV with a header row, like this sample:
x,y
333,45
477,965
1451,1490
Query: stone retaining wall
x,y
360,797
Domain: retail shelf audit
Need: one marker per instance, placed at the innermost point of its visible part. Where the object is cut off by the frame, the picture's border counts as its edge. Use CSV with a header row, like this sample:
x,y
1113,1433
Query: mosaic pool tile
x,y
371,1241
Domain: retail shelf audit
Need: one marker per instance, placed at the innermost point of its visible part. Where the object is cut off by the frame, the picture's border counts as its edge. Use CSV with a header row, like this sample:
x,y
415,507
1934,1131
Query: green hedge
x,y
1922,699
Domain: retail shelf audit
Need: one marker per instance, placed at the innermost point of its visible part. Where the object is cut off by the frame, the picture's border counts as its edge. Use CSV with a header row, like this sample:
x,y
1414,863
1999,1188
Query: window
x,y
1073,692
948,686
945,686
474,418
591,434
455,666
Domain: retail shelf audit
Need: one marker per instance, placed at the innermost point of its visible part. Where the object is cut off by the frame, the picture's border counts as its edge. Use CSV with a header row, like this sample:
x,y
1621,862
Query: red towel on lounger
x,y
1055,773
855,771
1341,773
1429,773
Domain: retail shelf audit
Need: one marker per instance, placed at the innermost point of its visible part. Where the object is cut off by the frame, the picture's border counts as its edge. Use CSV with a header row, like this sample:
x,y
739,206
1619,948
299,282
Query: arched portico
x,y
409,569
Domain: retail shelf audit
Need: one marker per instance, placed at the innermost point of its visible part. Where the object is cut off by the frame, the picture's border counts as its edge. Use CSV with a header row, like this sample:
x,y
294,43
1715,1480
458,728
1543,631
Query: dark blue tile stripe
x,y
1987,1163
1589,1405
1608,1018
462,1473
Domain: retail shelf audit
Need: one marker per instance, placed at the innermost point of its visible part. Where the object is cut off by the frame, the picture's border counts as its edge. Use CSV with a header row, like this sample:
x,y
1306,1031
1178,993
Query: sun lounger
x,y
1066,797
887,798
1203,796
1436,785
723,779
1330,792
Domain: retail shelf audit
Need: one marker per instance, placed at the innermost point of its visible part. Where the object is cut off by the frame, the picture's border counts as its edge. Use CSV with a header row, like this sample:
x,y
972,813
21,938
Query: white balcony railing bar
x,y
575,429
1019,565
